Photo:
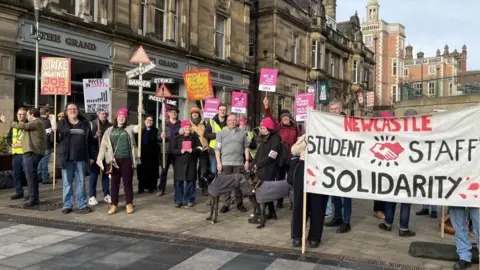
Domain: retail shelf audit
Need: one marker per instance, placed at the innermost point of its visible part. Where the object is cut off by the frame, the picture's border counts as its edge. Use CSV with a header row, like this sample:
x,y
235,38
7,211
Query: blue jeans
x,y
432,208
329,210
42,170
459,216
18,174
213,165
30,165
77,169
184,195
347,208
94,171
404,214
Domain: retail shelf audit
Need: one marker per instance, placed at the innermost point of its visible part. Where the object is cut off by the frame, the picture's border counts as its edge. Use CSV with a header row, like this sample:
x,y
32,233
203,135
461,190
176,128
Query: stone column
x,y
118,79
170,13
8,32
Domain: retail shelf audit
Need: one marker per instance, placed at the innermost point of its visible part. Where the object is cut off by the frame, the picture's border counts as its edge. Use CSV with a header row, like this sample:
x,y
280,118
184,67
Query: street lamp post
x,y
37,7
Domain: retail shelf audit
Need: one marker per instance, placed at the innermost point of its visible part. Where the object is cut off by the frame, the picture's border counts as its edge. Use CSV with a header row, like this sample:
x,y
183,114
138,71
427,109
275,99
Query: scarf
x,y
196,121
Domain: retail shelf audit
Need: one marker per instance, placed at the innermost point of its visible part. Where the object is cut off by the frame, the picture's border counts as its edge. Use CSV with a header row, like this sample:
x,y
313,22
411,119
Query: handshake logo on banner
x,y
387,151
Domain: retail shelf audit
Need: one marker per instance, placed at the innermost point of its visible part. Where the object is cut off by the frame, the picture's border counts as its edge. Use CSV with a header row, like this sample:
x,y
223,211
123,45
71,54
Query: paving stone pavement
x,y
54,248
157,214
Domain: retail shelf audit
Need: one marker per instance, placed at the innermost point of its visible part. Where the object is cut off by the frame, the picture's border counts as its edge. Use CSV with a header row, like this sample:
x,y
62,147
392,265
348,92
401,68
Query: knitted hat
x,y
285,113
122,111
185,123
173,108
194,109
60,114
242,121
268,123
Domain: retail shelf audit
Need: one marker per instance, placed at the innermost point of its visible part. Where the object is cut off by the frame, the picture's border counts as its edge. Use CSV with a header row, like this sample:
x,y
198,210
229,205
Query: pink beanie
x,y
122,111
242,121
268,123
185,123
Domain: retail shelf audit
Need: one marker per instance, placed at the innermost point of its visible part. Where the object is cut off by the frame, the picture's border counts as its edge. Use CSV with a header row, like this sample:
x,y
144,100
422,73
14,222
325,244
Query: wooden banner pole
x,y
55,142
99,142
163,137
140,105
442,223
304,221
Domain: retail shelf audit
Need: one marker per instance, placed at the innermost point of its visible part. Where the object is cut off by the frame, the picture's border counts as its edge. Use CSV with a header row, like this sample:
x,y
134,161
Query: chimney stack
x,y
420,55
409,52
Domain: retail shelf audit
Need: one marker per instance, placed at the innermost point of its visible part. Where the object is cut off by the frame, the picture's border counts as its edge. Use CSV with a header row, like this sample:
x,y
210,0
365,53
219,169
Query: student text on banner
x,y
96,93
198,84
55,76
424,159
211,107
239,102
268,80
302,103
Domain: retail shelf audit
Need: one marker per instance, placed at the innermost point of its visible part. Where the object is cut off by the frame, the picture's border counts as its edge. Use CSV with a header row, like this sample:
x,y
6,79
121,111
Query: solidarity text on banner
x,y
424,159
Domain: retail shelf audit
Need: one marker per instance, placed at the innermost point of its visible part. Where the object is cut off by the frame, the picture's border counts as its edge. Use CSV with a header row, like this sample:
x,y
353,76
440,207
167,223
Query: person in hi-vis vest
x,y
242,124
214,126
15,140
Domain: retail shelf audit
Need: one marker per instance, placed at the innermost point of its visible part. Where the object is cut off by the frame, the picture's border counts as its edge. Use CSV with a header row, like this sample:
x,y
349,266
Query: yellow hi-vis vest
x,y
215,129
250,136
16,133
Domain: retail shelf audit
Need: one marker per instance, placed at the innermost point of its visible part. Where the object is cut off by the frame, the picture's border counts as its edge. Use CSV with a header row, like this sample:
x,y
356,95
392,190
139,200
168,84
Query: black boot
x,y
461,265
313,243
423,212
296,242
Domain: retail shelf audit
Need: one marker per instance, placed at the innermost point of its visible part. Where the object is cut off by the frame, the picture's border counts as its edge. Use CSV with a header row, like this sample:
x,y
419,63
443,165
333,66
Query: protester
x,y
266,157
60,115
230,149
186,148
316,203
343,221
74,152
172,127
198,127
428,210
14,138
459,217
242,125
147,172
289,133
43,174
98,126
214,126
119,151
33,140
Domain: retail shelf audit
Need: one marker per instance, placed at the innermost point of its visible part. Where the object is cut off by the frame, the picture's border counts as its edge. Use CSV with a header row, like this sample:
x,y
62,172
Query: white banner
x,y
96,93
424,159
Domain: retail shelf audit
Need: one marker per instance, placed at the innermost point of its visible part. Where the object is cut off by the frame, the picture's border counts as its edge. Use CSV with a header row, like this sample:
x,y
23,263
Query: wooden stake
x,y
140,103
55,142
304,220
163,138
442,224
99,142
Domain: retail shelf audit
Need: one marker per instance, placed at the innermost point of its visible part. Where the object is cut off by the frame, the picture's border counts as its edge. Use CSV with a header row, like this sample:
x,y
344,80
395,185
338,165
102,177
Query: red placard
x,y
198,84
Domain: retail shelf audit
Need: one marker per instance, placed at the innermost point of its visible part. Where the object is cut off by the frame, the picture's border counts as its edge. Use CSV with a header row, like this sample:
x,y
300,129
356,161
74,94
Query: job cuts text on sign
x,y
422,159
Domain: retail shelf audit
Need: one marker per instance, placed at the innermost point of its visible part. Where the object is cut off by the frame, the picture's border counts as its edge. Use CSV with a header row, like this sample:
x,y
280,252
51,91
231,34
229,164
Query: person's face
x,y
195,115
222,111
72,111
335,109
242,126
173,114
21,115
232,121
121,120
186,130
264,131
102,116
286,120
149,122
29,116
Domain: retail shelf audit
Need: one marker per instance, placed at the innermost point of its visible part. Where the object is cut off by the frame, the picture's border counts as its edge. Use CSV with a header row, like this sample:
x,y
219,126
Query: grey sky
x,y
429,24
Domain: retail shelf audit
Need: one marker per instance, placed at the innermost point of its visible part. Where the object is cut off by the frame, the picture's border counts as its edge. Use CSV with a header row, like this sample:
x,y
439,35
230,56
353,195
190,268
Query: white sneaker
x,y
92,201
108,199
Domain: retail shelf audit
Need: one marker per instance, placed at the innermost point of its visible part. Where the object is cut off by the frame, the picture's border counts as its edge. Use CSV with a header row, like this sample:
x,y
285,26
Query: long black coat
x,y
149,156
266,157
185,165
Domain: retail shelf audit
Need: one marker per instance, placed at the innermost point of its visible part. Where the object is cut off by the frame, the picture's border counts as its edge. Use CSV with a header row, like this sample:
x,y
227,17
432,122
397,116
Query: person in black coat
x,y
266,157
147,172
172,127
186,148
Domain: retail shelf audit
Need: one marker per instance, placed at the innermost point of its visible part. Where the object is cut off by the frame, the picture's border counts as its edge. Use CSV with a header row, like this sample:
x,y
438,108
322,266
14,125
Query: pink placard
x,y
268,80
186,145
302,103
211,107
239,102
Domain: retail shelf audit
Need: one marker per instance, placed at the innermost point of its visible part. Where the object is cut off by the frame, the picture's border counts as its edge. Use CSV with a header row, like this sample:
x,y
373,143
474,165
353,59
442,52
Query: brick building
x,y
303,41
101,35
387,41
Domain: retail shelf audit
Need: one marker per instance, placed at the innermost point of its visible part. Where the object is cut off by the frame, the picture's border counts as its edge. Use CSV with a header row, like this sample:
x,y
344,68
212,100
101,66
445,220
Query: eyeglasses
x,y
21,114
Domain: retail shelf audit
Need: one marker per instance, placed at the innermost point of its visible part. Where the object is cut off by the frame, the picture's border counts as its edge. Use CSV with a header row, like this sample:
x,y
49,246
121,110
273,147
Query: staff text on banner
x,y
424,159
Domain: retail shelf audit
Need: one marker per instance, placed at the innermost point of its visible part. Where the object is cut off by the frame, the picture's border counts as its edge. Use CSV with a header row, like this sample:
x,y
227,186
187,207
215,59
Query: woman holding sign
x,y
186,148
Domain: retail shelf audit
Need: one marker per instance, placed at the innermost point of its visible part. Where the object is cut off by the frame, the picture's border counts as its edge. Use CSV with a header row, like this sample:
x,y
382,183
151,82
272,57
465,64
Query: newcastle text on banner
x,y
423,159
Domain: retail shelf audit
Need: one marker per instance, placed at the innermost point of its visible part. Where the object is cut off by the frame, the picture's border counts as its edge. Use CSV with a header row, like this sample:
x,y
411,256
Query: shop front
x,y
167,66
91,58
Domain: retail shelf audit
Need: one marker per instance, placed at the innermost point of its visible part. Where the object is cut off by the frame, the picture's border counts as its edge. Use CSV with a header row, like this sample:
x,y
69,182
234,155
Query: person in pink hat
x,y
186,148
119,150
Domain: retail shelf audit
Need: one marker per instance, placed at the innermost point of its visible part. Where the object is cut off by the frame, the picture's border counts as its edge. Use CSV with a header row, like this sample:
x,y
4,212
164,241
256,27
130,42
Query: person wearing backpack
x,y
267,156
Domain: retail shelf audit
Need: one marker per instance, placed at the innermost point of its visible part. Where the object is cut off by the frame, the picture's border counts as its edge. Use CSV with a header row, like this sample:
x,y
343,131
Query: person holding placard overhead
x,y
172,127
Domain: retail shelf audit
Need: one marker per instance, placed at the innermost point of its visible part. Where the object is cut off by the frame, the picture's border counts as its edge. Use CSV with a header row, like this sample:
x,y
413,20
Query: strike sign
x,y
55,76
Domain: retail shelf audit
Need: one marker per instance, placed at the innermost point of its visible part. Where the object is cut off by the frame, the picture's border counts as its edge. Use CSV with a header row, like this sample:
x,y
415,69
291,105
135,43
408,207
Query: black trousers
x,y
203,164
30,165
379,206
316,206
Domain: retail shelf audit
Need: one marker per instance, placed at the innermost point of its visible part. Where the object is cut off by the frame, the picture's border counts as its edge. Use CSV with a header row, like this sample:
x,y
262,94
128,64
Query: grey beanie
x,y
410,112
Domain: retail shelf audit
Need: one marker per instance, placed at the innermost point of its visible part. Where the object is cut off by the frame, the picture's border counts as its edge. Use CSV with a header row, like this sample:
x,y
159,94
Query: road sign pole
x,y
163,137
156,115
140,103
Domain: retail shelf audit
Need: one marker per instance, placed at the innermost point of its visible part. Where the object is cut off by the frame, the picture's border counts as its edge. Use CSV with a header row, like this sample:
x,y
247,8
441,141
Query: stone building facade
x,y
295,37
101,35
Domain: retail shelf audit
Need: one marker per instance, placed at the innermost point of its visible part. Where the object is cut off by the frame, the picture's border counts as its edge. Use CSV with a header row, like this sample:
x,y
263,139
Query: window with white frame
x,y
220,24
450,88
431,88
368,40
142,27
320,54
294,48
73,6
251,44
395,94
355,71
418,87
315,54
160,19
405,72
332,65
432,70
340,68
394,66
